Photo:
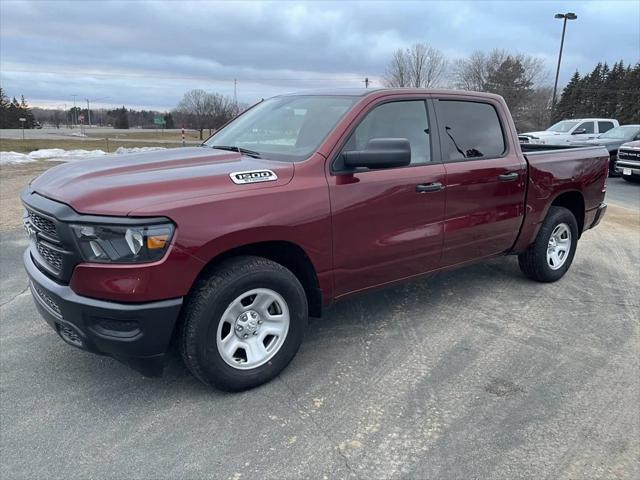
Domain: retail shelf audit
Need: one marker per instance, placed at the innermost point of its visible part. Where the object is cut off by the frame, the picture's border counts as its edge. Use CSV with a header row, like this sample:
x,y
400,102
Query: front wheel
x,y
550,256
243,323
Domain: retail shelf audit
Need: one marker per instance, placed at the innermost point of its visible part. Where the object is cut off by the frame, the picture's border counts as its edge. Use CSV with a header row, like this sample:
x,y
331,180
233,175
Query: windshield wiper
x,y
244,151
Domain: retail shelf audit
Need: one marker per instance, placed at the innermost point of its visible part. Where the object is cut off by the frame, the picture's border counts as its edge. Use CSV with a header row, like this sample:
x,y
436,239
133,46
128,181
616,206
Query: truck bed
x,y
559,170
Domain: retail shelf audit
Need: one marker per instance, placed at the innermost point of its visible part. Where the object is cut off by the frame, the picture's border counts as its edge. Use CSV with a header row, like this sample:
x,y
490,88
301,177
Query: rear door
x,y
387,223
486,179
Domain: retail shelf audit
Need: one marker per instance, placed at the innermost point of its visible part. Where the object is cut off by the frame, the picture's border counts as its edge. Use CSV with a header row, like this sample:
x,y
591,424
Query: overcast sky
x,y
147,54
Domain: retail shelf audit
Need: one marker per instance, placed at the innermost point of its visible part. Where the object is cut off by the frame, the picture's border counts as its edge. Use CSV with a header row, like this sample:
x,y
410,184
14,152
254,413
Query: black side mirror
x,y
579,131
380,153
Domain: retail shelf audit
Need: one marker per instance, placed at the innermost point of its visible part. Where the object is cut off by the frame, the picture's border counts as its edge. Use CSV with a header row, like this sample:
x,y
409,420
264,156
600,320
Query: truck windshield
x,y
562,127
287,128
622,133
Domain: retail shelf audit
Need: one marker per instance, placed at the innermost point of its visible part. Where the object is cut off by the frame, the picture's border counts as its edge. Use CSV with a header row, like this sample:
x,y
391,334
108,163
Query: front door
x,y
388,223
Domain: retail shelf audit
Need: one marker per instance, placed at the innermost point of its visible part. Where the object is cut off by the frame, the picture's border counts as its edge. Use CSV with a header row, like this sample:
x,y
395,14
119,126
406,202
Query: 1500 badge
x,y
253,176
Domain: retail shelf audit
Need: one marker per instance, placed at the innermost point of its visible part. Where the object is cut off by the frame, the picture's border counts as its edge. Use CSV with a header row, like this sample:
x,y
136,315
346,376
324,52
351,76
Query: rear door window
x,y
469,130
604,126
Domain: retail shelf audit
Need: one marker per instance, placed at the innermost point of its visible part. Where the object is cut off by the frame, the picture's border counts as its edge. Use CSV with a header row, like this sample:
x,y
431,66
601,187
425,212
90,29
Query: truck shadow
x,y
381,310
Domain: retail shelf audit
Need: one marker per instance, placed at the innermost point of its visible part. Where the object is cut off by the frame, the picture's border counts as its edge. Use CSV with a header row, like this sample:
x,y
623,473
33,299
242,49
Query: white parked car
x,y
566,131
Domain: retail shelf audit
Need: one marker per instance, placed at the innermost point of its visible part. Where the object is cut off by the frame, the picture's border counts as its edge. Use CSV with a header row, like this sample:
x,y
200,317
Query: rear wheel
x,y
551,255
243,323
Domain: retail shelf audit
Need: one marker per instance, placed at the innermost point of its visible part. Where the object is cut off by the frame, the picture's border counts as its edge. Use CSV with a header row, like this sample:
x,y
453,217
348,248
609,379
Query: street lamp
x,y
565,16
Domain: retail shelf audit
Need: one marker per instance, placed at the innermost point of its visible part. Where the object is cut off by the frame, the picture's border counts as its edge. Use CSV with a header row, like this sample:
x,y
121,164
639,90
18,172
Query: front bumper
x,y
136,334
627,168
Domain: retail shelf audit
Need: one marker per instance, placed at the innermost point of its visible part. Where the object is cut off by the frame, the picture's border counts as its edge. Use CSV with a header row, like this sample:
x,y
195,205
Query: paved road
x,y
71,133
477,373
623,193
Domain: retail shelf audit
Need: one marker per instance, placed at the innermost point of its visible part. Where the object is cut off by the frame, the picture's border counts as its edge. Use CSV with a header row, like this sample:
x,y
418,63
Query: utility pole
x,y
235,95
565,16
89,108
74,120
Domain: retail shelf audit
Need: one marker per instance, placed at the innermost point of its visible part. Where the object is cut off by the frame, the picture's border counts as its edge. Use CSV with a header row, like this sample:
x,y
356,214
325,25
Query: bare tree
x,y
205,110
419,66
472,73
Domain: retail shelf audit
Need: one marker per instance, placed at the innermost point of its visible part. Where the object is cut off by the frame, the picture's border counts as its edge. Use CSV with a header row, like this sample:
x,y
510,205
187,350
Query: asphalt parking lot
x,y
477,373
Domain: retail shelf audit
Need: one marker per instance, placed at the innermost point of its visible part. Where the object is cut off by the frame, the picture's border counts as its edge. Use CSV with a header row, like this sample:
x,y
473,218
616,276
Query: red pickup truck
x,y
302,200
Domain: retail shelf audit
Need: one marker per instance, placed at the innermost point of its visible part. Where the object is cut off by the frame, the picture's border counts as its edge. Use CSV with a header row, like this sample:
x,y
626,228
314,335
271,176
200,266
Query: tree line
x,y
523,82
11,111
605,92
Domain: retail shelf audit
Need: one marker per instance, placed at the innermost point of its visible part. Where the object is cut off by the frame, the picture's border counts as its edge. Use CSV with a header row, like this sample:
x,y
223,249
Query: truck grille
x,y
51,247
43,225
628,154
52,257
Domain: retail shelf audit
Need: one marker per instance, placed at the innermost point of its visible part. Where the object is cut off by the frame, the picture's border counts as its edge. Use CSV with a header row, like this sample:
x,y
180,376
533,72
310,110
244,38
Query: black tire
x,y
533,262
612,166
208,301
631,178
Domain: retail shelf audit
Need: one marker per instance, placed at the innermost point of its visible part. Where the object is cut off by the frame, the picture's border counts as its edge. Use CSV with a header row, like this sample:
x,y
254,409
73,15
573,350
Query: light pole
x,y
565,16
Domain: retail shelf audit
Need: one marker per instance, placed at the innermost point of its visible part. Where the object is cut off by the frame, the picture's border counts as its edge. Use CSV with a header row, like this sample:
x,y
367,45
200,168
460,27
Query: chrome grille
x,y
43,225
628,155
47,300
52,257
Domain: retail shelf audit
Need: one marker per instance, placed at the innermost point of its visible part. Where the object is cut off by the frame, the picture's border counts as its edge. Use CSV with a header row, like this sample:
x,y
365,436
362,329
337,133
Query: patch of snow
x,y
14,157
60,155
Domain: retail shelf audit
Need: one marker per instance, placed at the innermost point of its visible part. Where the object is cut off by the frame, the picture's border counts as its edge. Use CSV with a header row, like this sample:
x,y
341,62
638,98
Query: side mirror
x,y
579,131
380,153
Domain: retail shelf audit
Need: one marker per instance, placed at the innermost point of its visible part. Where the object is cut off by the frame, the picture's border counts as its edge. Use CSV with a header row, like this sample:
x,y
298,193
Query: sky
x,y
147,54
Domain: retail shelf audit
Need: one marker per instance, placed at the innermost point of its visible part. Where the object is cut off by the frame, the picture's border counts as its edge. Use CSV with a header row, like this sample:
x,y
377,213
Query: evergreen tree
x,y
4,109
509,80
612,91
25,112
629,104
122,119
568,103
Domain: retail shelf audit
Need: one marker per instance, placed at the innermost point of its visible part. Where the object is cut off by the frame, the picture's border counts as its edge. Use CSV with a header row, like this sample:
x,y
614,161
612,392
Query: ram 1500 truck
x,y
303,200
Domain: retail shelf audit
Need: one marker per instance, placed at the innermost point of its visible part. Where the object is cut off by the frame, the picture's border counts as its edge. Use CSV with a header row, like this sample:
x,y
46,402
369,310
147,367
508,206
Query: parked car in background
x,y
612,140
566,131
628,164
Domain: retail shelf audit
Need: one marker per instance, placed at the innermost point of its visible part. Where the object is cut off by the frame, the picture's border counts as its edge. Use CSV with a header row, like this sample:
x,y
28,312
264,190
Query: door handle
x,y
429,187
508,177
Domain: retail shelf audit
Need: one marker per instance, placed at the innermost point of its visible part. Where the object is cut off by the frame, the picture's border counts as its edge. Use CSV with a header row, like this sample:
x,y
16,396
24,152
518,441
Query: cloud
x,y
150,53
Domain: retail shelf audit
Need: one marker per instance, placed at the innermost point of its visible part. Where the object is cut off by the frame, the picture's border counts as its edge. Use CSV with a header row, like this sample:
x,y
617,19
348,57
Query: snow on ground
x,y
60,155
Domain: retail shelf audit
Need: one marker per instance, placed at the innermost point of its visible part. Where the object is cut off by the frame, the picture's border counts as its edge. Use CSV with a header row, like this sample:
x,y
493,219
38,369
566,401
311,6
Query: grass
x,y
29,145
189,135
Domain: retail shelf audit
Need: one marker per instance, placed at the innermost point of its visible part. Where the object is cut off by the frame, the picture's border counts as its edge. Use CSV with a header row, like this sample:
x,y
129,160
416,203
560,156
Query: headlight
x,y
123,244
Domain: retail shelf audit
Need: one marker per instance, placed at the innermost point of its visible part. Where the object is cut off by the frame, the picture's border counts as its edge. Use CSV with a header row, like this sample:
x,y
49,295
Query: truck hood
x,y
120,184
541,133
635,145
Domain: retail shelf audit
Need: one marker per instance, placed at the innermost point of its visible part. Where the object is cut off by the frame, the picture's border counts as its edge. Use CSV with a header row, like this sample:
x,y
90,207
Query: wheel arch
x,y
285,253
573,201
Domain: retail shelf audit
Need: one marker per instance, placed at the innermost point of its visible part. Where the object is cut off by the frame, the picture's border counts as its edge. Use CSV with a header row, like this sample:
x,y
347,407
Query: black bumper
x,y
602,208
136,334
